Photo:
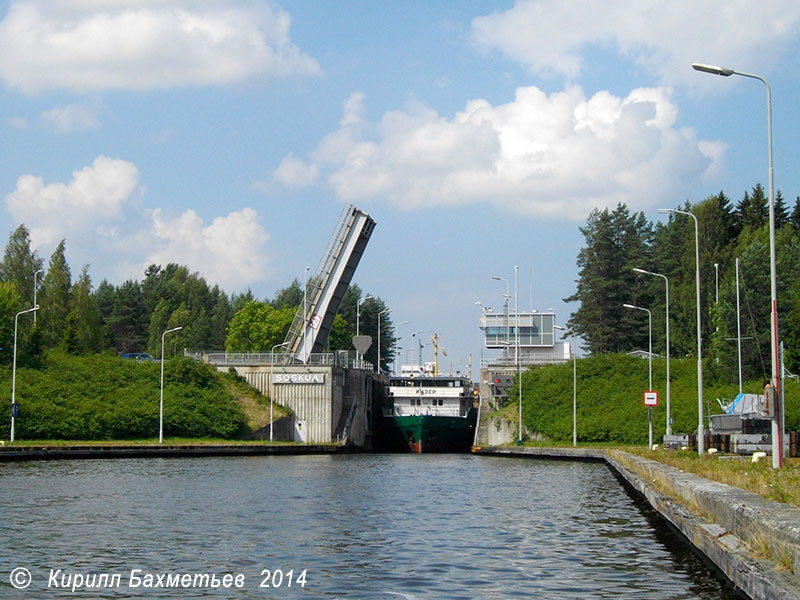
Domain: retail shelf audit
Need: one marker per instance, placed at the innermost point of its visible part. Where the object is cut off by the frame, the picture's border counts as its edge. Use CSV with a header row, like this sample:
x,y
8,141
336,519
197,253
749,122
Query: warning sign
x,y
651,398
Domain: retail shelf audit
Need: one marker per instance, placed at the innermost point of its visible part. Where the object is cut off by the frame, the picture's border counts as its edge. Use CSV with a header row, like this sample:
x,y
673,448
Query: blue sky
x,y
227,135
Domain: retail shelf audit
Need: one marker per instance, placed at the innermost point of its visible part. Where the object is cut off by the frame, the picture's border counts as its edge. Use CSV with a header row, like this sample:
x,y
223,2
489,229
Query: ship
x,y
427,412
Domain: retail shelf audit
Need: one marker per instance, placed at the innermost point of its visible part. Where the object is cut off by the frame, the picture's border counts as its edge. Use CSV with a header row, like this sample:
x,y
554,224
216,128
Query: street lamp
x,y
777,429
650,366
516,351
358,312
397,347
666,282
358,319
420,344
34,292
386,311
574,386
14,369
700,429
161,400
271,384
505,305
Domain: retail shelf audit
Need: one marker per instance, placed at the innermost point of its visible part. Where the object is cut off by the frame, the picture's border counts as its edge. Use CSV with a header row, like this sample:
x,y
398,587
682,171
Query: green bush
x,y
609,399
105,397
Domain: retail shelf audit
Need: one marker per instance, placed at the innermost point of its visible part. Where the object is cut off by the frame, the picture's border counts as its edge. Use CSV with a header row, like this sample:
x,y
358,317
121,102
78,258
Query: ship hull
x,y
427,433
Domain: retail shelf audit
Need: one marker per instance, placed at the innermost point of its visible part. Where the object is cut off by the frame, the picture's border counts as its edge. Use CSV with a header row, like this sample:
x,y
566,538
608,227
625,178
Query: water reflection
x,y
364,526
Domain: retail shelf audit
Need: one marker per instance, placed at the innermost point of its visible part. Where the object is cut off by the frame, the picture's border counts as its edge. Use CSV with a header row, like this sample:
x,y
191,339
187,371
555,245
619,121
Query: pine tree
x,y
616,243
55,298
84,315
20,266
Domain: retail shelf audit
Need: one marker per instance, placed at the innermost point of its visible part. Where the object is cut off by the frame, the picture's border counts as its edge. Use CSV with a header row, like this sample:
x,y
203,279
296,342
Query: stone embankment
x,y
754,542
9,453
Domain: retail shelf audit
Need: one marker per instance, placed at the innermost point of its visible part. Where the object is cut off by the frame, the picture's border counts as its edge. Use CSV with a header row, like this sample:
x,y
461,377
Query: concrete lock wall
x,y
335,404
311,392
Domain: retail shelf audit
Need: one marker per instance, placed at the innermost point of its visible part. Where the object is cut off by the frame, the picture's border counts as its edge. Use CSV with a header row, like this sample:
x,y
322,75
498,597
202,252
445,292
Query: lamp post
x,y
161,399
396,347
777,430
358,313
271,384
380,314
650,366
574,386
34,292
507,297
666,282
14,370
700,429
358,319
420,344
516,350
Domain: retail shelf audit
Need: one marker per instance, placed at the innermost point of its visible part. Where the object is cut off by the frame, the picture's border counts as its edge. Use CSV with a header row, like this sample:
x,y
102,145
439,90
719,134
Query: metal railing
x,y
526,361
342,358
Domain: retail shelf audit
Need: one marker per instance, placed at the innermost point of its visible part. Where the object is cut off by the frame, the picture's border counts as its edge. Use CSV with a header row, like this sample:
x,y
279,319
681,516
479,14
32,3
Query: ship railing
x,y
416,411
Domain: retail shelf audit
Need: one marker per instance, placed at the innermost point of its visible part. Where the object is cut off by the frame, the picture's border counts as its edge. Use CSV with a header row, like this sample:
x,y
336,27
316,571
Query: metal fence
x,y
342,358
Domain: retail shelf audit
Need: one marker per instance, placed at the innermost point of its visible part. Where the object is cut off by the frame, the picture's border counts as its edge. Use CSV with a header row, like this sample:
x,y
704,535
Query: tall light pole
x,y
507,298
650,366
358,313
738,327
396,347
35,290
666,281
14,370
574,386
777,431
700,429
161,399
420,344
516,350
271,384
380,314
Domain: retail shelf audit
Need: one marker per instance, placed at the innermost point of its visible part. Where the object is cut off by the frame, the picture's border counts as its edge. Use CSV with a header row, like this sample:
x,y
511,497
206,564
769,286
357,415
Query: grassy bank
x,y
609,399
781,485
103,397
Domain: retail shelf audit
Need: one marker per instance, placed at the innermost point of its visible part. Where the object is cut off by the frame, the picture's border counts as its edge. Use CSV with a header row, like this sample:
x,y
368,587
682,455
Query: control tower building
x,y
524,338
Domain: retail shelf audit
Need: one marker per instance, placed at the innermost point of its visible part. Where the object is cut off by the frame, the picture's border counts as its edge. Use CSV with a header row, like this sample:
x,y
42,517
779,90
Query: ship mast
x,y
435,339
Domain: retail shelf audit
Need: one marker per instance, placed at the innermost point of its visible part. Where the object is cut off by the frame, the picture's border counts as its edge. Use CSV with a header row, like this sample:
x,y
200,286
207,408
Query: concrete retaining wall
x,y
727,524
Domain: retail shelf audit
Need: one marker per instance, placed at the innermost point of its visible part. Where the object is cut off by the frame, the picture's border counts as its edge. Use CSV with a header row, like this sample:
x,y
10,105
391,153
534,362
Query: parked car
x,y
138,356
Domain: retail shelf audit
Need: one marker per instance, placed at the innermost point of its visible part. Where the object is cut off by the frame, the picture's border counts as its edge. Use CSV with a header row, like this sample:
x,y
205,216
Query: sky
x,y
229,135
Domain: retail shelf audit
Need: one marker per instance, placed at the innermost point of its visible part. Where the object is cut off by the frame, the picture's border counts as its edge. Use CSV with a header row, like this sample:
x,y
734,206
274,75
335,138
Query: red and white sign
x,y
315,321
651,398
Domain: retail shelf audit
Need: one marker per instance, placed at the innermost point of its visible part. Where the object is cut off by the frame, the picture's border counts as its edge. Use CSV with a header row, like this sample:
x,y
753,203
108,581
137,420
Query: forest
x,y
78,318
619,241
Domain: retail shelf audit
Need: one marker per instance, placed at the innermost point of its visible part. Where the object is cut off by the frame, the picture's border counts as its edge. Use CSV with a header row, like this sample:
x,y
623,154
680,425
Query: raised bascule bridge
x,y
332,395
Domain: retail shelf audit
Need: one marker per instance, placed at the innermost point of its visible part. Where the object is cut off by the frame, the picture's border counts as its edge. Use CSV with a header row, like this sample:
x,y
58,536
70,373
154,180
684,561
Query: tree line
x,y
80,318
618,241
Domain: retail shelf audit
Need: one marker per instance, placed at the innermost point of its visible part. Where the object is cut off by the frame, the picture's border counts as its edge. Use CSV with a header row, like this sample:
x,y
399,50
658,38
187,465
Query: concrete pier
x,y
754,542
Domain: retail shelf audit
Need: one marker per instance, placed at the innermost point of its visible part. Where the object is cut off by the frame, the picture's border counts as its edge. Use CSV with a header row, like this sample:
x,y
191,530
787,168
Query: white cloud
x,y
95,195
552,38
143,44
73,117
231,251
99,214
557,155
294,172
18,122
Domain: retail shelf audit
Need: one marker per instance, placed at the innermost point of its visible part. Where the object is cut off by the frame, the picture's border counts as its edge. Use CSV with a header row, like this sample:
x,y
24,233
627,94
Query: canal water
x,y
354,526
